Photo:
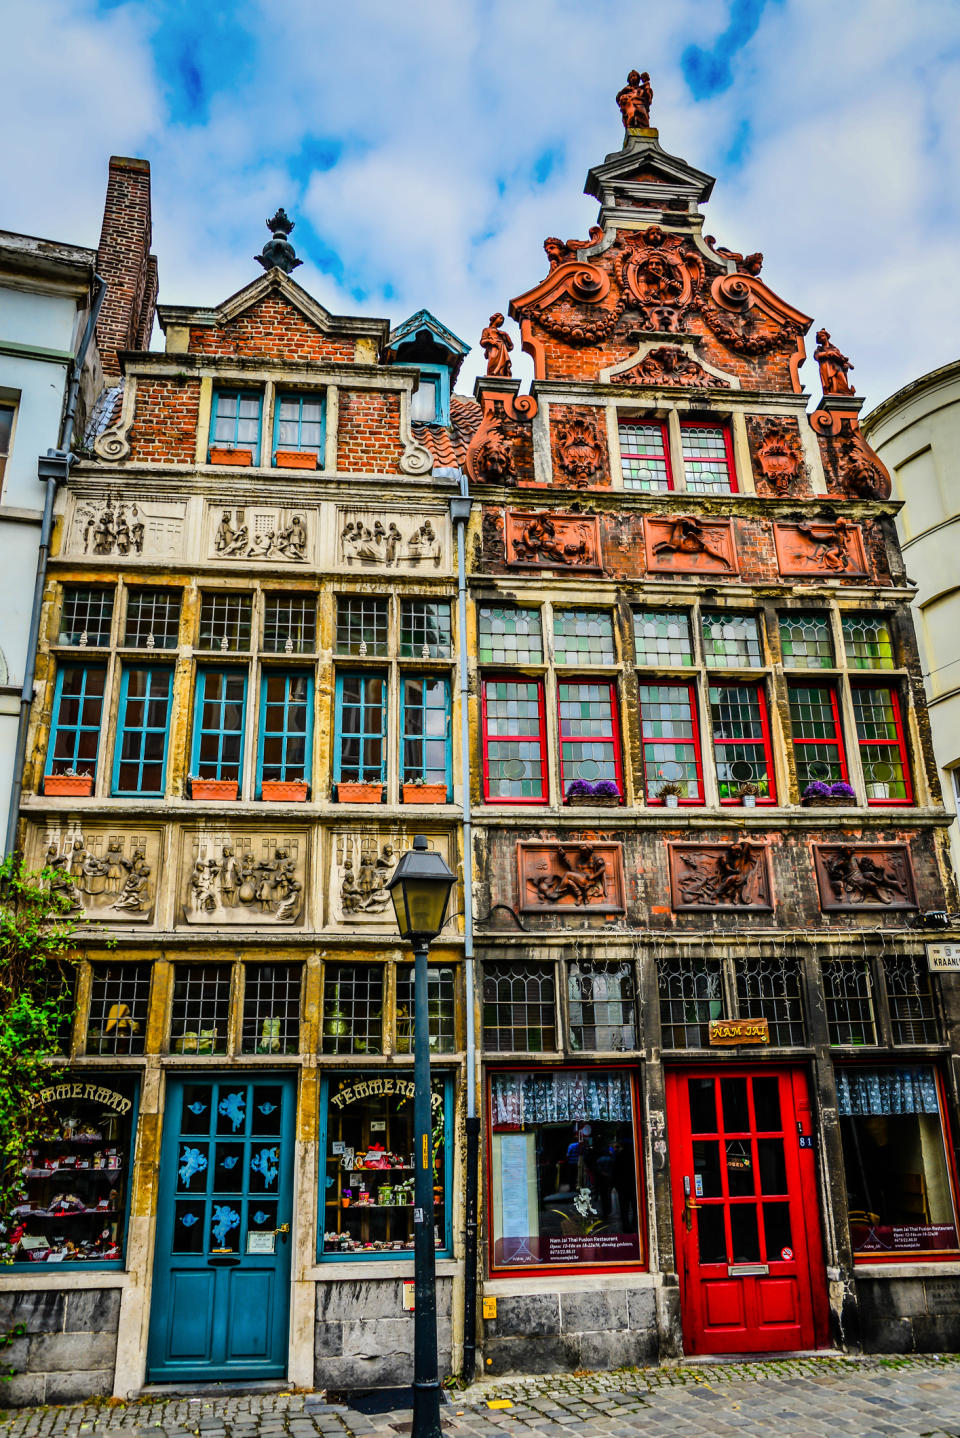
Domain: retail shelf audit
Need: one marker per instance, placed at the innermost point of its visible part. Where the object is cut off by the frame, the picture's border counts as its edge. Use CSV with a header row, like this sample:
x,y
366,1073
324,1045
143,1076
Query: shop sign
x,y
370,1088
96,1093
943,958
739,1031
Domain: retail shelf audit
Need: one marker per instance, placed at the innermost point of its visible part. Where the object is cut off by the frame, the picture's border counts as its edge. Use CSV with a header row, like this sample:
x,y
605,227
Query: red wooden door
x,y
746,1211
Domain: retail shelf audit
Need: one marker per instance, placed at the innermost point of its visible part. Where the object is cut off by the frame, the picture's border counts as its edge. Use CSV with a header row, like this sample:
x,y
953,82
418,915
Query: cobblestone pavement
x,y
823,1397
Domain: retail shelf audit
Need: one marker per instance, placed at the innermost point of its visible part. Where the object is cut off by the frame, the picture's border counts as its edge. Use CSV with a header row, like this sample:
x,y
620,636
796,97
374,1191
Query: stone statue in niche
x,y
231,884
266,535
719,876
494,459
579,450
114,528
634,101
496,345
553,540
669,365
820,547
687,542
578,875
383,543
864,876
779,454
106,877
833,366
662,273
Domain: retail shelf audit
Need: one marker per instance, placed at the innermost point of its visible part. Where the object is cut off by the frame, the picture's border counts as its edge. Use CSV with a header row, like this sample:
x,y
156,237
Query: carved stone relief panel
x,y
362,863
720,876
684,544
864,876
582,874
833,547
777,453
394,540
103,872
261,532
579,447
113,527
553,541
242,878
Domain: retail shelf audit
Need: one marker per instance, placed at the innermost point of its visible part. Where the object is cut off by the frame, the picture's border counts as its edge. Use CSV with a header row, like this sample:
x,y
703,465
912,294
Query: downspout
x,y
53,468
460,511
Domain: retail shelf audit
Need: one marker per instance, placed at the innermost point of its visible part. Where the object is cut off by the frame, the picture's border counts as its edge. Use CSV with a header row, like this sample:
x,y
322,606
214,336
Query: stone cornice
x,y
342,372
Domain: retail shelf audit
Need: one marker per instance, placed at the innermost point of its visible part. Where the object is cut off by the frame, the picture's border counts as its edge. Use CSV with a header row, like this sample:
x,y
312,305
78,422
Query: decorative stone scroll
x,y
259,533
366,540
118,528
237,879
811,547
720,876
554,878
864,876
687,545
103,875
362,865
553,541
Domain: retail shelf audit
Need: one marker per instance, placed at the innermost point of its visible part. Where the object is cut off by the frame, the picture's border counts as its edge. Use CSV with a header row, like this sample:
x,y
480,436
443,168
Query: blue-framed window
x,y
360,748
286,728
431,403
77,718
218,723
235,420
425,730
140,758
370,1111
299,424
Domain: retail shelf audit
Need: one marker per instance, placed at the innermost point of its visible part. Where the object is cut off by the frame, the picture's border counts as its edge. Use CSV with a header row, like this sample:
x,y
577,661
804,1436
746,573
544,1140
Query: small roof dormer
x,y
423,343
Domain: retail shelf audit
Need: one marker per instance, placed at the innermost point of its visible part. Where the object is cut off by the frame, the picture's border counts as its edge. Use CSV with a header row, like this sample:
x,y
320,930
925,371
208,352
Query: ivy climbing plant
x,y
37,987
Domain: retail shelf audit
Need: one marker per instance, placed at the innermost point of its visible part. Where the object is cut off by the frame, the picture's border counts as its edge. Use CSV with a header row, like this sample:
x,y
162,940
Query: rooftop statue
x,y
635,100
833,366
496,345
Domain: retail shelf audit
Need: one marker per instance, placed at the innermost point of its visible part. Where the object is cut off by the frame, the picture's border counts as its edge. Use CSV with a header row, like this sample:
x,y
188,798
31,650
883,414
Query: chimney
x,y
125,262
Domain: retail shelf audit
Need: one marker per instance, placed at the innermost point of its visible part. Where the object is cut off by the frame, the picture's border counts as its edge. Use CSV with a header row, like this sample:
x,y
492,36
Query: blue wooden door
x,y
221,1280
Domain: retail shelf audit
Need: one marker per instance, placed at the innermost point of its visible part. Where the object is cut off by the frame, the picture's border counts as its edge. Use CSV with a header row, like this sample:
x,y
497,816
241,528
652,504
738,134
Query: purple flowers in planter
x,y
602,789
819,790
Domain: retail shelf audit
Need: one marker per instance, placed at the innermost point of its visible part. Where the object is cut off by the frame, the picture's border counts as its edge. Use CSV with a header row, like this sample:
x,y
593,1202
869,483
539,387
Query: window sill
x,y
902,1267
361,1269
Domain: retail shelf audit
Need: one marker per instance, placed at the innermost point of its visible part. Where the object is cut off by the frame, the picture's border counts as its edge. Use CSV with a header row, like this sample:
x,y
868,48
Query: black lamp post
x,y
420,890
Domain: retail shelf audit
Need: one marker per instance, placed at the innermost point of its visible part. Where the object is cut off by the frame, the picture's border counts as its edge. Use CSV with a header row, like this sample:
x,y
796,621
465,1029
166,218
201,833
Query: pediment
x,y
273,283
644,168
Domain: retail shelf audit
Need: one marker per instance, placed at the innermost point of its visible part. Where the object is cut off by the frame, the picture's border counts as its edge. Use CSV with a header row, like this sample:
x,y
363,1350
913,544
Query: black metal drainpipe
x,y
470,1251
53,468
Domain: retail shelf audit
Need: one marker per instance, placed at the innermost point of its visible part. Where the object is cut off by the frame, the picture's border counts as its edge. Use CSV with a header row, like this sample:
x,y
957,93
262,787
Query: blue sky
x,y
426,149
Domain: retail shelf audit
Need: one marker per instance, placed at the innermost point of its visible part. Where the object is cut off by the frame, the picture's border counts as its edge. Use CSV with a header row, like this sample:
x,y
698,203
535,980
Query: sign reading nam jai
x,y
739,1031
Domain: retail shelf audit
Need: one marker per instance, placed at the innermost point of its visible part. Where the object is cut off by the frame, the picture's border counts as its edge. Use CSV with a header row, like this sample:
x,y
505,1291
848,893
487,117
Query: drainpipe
x,y
460,513
53,469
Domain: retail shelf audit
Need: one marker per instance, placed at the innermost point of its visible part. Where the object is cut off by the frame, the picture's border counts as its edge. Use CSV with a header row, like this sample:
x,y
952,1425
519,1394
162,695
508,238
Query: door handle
x,y
283,1230
689,1205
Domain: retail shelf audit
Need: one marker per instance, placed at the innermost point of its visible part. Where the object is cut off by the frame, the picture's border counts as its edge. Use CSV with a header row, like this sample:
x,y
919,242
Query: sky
x,y
426,148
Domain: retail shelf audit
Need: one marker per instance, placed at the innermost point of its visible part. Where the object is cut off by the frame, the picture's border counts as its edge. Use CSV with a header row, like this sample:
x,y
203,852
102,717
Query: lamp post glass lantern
x,y
420,890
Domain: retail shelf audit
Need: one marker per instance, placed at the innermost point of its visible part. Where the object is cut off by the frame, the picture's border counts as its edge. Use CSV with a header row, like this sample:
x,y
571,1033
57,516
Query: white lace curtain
x,y
567,1097
886,1091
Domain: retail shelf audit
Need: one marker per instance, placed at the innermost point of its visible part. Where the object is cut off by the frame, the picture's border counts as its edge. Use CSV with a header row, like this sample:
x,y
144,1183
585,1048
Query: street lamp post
x,y
420,890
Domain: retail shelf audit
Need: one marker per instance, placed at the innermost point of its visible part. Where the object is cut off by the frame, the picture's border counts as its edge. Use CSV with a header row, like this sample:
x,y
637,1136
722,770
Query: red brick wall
x,y
125,262
165,422
273,329
369,432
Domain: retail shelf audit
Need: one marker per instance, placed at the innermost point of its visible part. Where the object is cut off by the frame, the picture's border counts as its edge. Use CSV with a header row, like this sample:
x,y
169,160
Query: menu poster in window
x,y
901,1237
516,1211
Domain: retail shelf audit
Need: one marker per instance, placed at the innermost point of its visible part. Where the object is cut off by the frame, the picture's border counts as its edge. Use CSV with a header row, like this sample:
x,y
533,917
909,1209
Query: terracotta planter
x,y
68,785
283,791
223,789
424,793
230,456
359,793
295,459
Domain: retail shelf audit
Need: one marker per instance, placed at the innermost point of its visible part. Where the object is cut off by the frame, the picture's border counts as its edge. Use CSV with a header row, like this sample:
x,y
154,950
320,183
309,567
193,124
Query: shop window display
x,y
72,1205
367,1180
899,1189
563,1169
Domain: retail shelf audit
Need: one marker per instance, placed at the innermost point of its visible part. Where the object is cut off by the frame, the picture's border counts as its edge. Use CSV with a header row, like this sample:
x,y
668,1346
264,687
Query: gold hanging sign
x,y
738,1031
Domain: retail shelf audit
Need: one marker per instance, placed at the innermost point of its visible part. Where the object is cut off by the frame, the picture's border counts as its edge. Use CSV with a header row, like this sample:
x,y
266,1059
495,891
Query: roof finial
x,y
278,252
635,100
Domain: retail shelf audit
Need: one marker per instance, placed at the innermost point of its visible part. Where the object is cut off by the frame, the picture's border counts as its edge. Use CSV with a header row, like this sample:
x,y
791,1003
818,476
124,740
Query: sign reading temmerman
x,y
943,958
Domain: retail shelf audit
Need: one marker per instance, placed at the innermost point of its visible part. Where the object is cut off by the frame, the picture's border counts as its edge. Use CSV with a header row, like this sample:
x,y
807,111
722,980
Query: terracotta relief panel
x,y
362,864
131,529
555,878
259,532
688,545
720,876
777,453
864,876
814,548
378,541
102,872
242,879
552,541
579,447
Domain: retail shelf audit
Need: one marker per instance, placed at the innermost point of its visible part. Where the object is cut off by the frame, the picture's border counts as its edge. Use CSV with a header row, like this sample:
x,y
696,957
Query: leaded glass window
x,y
731,641
518,1008
583,636
509,636
662,638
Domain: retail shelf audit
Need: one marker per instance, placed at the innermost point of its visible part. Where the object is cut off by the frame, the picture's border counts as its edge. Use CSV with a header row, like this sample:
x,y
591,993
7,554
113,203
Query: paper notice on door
x,y
262,1242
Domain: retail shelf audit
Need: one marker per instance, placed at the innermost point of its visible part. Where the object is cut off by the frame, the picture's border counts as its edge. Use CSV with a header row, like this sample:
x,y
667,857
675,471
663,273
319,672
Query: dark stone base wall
x,y
363,1337
909,1315
69,1349
559,1332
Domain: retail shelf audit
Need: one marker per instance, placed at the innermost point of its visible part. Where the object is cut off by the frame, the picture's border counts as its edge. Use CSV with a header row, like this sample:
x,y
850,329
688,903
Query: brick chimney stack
x,y
125,262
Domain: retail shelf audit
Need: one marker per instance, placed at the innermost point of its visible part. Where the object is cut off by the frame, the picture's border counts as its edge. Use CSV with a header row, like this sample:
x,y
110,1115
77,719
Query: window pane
x,y
805,641
423,405
118,1008
75,735
285,724
290,623
513,740
225,621
426,707
603,1008
913,1010
271,1008
518,1008
510,636
361,626
769,988
705,459
144,714
353,1009
425,629
237,420
815,727
643,457
583,636
848,991
220,696
882,748
740,743
201,1008
731,641
85,617
867,641
691,994
662,637
299,424
361,718
668,730
153,619
440,1009
588,739
7,412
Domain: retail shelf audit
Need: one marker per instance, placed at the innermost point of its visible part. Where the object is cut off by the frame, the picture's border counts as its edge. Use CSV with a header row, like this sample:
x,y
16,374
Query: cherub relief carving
x,y
552,540
634,101
832,547
712,876
864,876
861,471
496,345
580,875
746,264
833,366
688,536
579,450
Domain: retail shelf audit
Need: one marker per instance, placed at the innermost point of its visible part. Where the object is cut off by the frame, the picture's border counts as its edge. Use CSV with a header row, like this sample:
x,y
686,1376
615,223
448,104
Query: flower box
x,y
359,793
222,789
828,801
284,791
295,459
222,455
68,785
424,793
591,801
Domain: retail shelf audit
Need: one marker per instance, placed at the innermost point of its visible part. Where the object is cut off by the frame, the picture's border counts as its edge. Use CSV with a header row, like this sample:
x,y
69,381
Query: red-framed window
x,y
671,741
741,741
707,451
589,732
514,740
883,747
817,735
645,456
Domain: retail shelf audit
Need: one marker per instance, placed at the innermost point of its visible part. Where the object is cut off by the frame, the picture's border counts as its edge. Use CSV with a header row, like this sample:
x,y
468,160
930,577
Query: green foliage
x,y
37,985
